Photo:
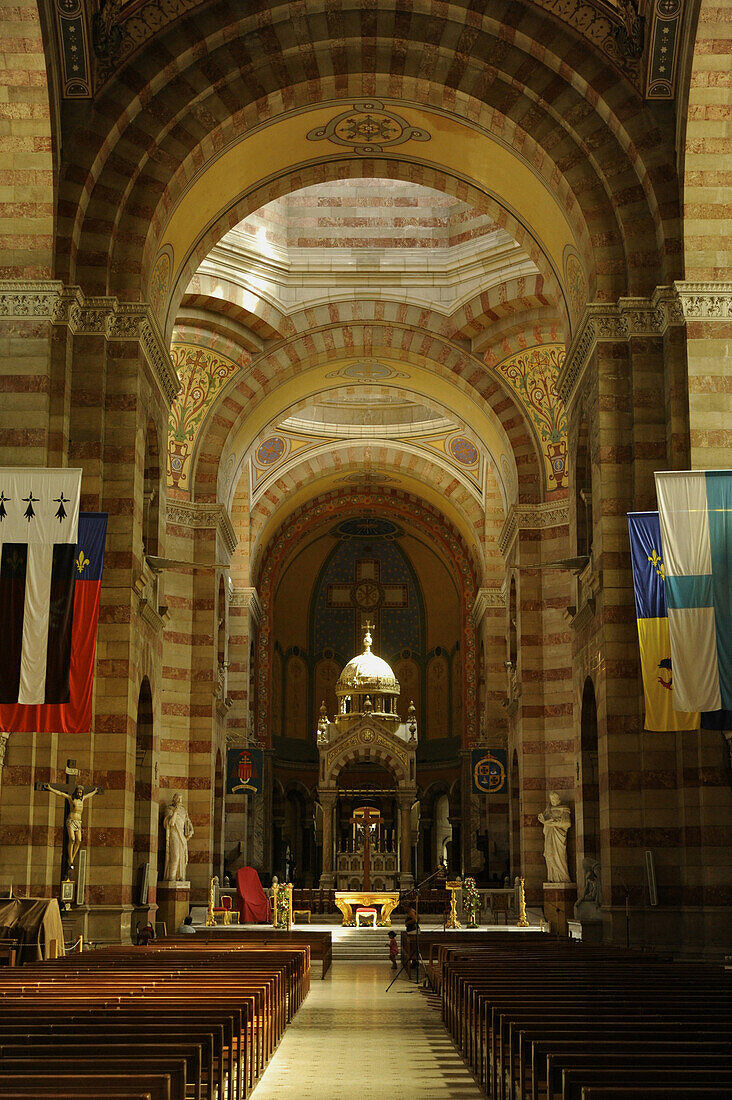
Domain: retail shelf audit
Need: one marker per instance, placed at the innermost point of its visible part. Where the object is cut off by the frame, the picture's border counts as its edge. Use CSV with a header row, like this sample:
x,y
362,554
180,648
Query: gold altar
x,y
344,899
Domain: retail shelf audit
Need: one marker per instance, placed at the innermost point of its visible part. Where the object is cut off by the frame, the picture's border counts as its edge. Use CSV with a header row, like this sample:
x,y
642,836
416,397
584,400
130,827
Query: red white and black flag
x,y
39,518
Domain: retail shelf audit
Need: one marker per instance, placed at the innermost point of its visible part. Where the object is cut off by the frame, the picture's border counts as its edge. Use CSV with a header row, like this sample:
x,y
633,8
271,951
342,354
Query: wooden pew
x,y
199,1020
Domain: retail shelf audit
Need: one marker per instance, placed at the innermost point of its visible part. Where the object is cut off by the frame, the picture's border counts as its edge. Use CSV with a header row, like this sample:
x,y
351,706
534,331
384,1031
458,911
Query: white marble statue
x,y
556,819
178,831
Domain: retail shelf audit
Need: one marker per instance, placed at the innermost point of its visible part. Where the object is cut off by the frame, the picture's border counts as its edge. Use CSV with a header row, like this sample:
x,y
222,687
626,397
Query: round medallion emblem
x,y
271,450
367,735
463,451
367,595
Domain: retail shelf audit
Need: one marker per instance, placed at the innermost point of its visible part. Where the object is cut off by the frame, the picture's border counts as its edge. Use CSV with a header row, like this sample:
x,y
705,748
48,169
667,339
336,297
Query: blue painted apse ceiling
x,y
367,578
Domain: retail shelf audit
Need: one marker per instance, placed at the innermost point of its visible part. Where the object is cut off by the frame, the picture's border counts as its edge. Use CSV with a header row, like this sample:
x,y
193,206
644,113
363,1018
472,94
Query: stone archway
x,y
367,740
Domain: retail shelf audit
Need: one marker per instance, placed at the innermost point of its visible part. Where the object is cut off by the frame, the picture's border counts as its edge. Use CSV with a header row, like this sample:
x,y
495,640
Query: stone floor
x,y
352,1038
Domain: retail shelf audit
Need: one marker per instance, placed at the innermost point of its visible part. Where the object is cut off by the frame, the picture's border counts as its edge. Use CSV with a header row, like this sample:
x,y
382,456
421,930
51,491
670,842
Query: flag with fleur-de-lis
x,y
74,715
39,519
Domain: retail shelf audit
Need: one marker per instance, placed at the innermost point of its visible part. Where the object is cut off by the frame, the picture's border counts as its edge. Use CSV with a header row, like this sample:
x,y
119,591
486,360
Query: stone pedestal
x,y
174,899
559,899
100,924
590,931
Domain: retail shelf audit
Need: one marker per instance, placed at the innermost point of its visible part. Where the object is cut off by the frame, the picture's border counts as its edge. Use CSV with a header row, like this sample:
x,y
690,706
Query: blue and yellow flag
x,y
653,632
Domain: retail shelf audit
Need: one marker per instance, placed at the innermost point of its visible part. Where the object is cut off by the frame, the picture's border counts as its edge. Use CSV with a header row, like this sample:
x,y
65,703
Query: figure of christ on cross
x,y
366,816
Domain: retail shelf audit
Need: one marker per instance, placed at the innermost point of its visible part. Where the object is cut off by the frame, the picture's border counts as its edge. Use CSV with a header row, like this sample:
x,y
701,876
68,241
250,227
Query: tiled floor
x,y
352,1038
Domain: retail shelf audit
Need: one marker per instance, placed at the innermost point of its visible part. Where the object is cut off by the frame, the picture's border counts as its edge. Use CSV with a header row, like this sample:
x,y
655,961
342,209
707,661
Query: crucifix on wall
x,y
367,596
75,796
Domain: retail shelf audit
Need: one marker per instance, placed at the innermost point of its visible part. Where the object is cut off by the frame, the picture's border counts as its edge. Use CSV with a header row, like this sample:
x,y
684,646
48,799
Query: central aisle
x,y
352,1038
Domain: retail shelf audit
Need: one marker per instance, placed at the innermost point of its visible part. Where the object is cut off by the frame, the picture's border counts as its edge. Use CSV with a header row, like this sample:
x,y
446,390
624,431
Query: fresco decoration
x,y
202,374
367,372
271,450
417,516
532,375
73,46
575,284
463,451
664,48
460,452
366,577
160,281
368,127
271,456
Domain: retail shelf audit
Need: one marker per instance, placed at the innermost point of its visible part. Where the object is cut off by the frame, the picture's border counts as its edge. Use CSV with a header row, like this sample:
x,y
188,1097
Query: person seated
x,y
186,927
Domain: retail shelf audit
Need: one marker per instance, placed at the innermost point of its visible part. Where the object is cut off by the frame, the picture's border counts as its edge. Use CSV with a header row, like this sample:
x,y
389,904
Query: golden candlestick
x,y
452,920
522,922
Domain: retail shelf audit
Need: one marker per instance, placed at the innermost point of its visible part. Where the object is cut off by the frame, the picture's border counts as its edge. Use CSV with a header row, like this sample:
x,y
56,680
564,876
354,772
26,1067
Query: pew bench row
x,y
540,1018
165,1022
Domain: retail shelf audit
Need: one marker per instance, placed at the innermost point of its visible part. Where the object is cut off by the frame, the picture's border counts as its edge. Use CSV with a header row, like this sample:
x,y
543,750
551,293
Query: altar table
x,y
344,899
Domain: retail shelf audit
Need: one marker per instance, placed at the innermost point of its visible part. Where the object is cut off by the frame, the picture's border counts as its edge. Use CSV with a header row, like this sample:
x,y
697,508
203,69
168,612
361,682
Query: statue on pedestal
x,y
557,820
178,831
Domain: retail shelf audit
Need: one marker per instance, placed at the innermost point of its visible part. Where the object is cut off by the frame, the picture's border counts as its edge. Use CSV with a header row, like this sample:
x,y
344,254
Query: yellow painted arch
x,y
282,148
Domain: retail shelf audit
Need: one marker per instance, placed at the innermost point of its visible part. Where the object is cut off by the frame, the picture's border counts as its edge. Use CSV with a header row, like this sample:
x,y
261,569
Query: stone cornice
x,y
531,517
705,301
248,598
184,513
487,597
48,299
629,317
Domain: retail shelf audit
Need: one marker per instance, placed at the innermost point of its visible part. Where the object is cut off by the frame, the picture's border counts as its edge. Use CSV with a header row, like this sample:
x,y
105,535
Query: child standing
x,y
393,950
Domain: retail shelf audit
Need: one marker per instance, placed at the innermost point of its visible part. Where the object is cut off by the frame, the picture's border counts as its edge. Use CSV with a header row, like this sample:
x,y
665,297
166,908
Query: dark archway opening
x,y
515,817
145,824
590,789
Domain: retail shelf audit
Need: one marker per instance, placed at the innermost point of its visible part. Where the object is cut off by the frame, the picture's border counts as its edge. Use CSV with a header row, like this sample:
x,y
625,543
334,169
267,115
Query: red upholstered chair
x,y
366,912
226,907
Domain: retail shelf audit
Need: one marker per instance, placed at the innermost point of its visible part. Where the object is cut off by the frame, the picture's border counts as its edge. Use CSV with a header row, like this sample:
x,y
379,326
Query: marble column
x,y
327,878
406,878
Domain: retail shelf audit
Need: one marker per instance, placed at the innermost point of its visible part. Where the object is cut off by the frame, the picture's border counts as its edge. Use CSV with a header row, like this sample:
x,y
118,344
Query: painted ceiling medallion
x,y
368,127
271,450
367,372
463,451
368,527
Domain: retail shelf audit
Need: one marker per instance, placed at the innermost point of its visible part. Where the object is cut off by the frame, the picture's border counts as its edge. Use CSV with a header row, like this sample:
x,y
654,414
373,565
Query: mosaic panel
x,y
532,375
202,374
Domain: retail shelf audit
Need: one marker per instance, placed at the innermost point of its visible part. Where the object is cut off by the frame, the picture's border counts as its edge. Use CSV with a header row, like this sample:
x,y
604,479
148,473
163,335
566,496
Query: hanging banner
x,y
244,770
74,715
489,771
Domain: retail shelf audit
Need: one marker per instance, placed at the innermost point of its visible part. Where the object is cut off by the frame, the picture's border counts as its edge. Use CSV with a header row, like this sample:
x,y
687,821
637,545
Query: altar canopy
x,y
253,905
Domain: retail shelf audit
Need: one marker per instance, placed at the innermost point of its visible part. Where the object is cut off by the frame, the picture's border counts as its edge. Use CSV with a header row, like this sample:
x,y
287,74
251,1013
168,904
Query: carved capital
x,y
531,517
487,597
185,513
248,598
49,299
706,301
603,322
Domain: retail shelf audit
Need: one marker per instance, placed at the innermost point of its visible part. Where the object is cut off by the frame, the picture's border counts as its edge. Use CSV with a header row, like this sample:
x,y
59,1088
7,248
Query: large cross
x,y
366,816
366,595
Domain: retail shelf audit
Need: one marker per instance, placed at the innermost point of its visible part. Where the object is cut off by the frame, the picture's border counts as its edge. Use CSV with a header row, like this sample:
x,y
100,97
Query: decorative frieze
x,y
248,598
487,597
50,300
531,517
185,513
604,322
705,301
